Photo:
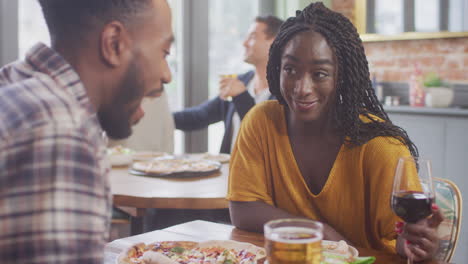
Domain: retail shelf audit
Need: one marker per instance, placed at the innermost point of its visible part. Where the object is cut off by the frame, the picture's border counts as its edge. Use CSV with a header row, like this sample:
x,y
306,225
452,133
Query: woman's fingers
x,y
418,253
423,243
436,218
413,232
421,239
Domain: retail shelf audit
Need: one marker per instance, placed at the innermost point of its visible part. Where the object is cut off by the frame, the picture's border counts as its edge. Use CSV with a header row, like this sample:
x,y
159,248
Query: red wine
x,y
412,206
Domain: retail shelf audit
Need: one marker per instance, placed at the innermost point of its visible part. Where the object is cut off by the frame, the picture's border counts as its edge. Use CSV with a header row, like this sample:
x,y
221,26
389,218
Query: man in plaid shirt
x,y
106,56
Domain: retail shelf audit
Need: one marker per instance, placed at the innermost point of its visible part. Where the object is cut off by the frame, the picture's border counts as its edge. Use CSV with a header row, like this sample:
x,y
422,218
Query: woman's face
x,y
308,76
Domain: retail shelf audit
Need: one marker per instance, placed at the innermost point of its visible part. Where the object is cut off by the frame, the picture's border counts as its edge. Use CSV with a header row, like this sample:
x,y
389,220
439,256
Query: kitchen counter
x,y
455,112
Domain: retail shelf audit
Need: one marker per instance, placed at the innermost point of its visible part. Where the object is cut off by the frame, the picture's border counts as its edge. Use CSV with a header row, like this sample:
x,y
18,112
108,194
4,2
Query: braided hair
x,y
355,96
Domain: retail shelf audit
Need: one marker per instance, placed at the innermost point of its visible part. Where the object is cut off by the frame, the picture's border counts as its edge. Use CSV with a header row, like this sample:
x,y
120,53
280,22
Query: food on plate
x,y
148,155
175,165
340,247
118,150
120,156
225,252
178,252
339,252
222,157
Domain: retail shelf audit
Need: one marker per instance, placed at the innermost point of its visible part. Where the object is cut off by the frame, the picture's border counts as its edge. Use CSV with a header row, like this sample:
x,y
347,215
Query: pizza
x,y
175,165
221,157
188,252
148,155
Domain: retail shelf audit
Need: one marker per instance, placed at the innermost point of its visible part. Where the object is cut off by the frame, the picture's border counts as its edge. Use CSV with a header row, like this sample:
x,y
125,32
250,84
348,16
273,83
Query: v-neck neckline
x,y
290,154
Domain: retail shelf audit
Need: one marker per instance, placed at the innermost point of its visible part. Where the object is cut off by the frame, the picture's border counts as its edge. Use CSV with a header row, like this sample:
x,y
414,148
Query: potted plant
x,y
438,93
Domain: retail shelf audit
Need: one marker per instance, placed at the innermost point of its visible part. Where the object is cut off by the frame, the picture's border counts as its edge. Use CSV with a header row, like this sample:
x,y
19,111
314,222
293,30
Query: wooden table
x,y
135,194
202,230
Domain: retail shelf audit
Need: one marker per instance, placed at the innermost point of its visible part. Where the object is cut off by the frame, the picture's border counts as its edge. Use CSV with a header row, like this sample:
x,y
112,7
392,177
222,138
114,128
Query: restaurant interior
x,y
403,40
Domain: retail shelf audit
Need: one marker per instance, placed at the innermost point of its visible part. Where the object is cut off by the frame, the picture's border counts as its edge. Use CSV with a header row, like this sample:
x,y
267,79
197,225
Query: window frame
x,y
8,31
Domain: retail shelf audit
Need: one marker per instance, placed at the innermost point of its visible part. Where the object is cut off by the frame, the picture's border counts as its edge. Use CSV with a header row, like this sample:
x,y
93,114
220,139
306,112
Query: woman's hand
x,y
420,240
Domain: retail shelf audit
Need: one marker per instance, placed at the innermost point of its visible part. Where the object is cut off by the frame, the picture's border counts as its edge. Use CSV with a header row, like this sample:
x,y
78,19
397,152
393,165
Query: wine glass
x,y
413,192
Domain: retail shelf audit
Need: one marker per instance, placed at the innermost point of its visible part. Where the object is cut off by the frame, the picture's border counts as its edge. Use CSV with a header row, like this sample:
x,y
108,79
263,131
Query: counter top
x,y
456,112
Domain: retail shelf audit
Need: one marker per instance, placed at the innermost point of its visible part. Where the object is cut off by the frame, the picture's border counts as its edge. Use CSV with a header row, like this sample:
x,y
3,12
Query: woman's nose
x,y
305,85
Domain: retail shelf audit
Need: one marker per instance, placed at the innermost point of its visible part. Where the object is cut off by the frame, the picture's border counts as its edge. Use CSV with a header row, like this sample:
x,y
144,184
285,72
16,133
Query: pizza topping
x,y
186,252
178,250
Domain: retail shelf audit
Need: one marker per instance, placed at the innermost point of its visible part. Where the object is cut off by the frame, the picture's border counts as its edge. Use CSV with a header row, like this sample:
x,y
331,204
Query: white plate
x,y
120,159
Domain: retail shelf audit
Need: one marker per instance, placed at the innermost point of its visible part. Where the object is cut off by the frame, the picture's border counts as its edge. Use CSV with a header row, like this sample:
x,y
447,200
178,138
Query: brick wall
x,y
345,7
393,61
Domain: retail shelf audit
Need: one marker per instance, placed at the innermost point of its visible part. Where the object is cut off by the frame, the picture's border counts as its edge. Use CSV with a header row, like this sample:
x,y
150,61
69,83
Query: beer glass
x,y
293,241
227,76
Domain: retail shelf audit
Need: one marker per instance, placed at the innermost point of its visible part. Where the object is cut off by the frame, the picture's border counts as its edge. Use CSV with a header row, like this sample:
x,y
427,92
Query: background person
x,y
246,90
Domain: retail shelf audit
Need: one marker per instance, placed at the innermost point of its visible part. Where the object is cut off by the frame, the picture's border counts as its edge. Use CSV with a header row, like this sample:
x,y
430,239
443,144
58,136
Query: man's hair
x,y
273,24
72,18
355,96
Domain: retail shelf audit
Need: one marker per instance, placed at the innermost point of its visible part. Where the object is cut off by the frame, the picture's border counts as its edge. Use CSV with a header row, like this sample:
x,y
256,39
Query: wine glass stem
x,y
409,261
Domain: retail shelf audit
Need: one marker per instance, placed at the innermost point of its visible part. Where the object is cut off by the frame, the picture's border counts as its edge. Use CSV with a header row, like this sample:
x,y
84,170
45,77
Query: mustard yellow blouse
x,y
355,199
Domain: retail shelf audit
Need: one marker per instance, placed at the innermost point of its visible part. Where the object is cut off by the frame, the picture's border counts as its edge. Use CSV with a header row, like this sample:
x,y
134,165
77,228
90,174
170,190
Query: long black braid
x,y
355,96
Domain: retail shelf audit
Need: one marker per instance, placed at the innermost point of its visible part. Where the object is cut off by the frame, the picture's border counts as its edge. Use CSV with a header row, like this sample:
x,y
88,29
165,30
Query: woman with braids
x,y
326,150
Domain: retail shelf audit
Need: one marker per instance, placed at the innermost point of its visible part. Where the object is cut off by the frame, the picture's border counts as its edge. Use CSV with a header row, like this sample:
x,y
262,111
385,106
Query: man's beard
x,y
115,117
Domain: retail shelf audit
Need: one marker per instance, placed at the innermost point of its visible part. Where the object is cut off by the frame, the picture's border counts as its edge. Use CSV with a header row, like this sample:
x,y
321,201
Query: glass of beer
x,y
230,76
293,241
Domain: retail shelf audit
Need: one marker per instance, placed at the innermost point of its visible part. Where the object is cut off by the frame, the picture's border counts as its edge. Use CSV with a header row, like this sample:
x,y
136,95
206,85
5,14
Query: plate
x,y
175,167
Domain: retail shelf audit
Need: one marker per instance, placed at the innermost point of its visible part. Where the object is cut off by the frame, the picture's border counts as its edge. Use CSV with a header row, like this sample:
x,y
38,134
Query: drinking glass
x,y
230,76
293,241
413,192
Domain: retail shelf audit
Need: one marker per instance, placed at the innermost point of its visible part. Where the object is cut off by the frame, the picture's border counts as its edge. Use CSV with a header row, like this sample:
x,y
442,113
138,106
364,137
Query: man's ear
x,y
114,44
270,40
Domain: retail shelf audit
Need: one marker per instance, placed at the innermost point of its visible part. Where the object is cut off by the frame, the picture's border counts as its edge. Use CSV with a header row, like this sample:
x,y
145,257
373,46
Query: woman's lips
x,y
305,105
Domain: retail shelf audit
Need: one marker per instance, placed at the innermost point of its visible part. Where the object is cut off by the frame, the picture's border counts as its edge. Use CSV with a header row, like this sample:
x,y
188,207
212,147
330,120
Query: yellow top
x,y
356,198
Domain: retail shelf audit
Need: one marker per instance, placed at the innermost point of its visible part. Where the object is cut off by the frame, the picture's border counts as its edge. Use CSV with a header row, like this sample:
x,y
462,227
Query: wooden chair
x,y
120,224
449,200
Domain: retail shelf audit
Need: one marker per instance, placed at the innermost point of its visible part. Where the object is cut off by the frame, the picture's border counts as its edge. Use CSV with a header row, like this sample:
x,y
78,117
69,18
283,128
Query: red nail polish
x,y
407,242
435,207
399,224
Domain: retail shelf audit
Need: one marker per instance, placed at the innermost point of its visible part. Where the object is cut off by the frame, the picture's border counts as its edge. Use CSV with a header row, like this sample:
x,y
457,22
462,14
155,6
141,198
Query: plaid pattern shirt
x,y
54,192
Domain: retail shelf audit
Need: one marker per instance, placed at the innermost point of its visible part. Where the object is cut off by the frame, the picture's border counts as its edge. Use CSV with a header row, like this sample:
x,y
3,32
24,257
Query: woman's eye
x,y
321,75
289,70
